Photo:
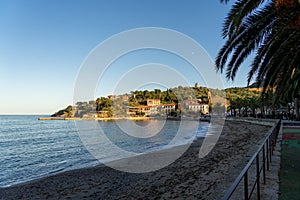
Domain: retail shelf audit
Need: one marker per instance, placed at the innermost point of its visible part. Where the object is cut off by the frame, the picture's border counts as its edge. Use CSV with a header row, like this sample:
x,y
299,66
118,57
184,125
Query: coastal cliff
x,y
67,112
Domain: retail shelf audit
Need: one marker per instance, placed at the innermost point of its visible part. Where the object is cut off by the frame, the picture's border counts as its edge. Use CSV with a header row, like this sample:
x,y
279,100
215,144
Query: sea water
x,y
31,149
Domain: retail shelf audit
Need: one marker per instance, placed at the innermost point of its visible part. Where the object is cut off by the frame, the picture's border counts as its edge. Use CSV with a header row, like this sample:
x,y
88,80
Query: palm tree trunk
x,y
262,111
297,109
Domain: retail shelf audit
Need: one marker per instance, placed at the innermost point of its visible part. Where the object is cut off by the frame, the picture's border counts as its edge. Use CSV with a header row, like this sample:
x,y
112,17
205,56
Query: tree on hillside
x,y
102,103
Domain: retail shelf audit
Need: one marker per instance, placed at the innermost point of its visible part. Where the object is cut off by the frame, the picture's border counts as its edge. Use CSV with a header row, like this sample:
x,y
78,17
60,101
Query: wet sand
x,y
189,177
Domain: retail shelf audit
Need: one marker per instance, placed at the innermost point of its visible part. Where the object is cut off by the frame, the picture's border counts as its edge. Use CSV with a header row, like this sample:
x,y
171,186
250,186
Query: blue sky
x,y
44,42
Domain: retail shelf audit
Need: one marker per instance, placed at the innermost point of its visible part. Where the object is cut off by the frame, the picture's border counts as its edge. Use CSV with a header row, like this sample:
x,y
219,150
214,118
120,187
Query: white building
x,y
153,102
168,108
203,108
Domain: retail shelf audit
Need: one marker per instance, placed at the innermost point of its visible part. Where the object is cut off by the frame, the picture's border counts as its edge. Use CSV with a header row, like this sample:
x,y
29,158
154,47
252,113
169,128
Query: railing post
x,y
273,141
264,164
268,160
270,149
246,185
277,131
257,177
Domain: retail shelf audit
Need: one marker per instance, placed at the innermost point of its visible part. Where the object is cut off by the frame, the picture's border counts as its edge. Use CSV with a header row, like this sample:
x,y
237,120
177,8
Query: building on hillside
x,y
90,115
152,108
125,97
92,105
112,97
153,102
147,110
203,108
168,108
102,114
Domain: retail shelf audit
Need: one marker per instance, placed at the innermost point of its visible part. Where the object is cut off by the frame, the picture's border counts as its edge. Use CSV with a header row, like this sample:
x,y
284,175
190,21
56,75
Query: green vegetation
x,y
271,31
243,99
242,102
67,112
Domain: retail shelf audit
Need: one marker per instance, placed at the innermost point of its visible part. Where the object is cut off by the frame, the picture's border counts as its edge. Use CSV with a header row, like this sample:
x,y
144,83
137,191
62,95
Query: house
x,y
112,97
152,108
92,105
102,114
147,110
203,108
168,108
90,115
153,102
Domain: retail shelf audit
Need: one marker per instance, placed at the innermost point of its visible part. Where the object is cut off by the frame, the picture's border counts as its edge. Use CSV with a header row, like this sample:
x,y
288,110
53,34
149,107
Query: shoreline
x,y
110,161
101,164
96,119
121,118
188,176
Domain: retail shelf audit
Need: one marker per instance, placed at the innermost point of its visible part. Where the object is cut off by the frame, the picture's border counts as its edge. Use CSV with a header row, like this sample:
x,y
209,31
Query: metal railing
x,y
261,160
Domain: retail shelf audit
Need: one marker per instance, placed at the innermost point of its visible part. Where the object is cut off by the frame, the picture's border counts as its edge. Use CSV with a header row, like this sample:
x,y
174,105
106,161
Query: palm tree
x,y
271,30
253,104
233,107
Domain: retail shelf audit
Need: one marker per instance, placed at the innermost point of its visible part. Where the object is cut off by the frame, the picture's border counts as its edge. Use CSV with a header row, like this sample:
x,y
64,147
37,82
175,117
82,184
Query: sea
x,y
32,148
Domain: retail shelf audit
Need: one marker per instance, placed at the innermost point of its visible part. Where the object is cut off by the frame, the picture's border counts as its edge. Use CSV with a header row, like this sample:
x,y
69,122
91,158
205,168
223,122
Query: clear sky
x,y
44,42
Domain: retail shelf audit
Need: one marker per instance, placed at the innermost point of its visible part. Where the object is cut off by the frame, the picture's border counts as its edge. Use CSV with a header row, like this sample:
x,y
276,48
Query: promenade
x,y
290,161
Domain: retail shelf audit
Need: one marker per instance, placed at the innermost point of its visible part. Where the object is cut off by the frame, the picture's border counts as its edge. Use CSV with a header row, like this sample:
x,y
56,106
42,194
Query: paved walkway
x,y
271,188
290,161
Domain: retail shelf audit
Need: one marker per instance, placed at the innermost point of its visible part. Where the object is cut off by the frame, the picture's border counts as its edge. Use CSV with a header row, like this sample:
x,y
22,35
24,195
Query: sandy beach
x,y
189,177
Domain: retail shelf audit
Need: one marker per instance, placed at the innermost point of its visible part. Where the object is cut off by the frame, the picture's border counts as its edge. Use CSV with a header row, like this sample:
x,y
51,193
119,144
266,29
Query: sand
x,y
189,177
